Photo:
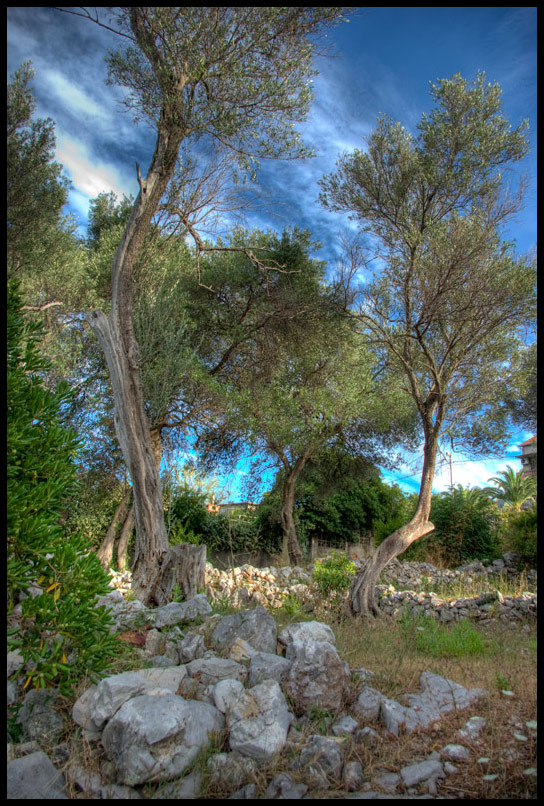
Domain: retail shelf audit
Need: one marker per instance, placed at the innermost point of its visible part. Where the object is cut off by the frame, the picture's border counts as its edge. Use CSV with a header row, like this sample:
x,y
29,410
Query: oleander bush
x,y
60,633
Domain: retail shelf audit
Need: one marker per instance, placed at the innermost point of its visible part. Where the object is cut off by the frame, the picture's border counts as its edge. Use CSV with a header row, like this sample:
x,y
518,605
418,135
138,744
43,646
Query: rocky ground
x,y
287,716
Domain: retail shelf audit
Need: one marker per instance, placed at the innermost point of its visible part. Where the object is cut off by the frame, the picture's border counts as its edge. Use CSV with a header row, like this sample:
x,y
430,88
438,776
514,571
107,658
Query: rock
x,y
322,757
38,717
247,792
438,696
368,704
154,738
306,631
175,612
240,650
415,773
266,666
456,752
190,647
473,728
282,787
94,709
257,719
353,775
318,677
15,661
345,726
231,769
256,626
34,777
212,669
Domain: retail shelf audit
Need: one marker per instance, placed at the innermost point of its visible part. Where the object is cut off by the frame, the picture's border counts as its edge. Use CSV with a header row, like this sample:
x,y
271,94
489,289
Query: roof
x,y
530,441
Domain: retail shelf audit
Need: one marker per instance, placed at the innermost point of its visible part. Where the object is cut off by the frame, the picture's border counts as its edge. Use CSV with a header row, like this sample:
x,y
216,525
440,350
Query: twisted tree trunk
x,y
115,334
362,590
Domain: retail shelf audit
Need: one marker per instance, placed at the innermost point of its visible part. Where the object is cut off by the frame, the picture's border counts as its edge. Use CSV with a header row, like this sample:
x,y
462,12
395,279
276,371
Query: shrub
x,y
61,635
333,573
464,528
522,535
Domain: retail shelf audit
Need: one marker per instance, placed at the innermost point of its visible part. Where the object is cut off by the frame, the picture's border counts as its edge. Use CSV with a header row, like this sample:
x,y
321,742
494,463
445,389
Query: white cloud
x,y
90,176
76,100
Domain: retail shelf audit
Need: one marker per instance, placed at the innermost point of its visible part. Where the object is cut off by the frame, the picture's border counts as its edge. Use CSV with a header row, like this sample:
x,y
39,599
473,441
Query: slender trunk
x,y
134,437
290,538
362,591
116,337
105,552
124,538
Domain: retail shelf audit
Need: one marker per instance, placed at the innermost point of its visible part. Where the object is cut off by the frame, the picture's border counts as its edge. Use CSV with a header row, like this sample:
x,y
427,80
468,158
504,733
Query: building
x,y
528,457
247,505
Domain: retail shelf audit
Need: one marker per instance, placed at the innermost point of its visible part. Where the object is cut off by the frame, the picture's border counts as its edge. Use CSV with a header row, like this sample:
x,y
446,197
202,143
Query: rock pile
x,y
234,688
271,586
231,684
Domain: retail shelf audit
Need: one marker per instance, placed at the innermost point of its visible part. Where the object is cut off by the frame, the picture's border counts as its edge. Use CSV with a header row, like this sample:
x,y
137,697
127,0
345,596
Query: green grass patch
x,y
442,640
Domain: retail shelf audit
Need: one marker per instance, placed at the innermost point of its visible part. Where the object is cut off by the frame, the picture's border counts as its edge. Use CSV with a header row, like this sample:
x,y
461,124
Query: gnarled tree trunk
x,y
362,590
115,334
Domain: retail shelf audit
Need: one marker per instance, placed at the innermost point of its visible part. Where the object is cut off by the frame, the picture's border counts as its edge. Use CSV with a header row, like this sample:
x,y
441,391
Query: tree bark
x,y
185,566
362,590
290,539
105,552
124,537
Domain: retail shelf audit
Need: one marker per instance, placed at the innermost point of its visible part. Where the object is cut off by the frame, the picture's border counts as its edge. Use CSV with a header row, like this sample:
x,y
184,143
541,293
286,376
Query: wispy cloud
x,y
74,99
89,175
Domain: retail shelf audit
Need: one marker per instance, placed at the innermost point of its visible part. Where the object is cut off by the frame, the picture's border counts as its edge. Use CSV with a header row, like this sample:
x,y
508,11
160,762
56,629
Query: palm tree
x,y
513,488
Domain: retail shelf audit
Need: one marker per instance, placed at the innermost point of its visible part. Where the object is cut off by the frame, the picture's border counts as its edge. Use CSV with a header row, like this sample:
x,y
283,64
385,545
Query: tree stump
x,y
183,565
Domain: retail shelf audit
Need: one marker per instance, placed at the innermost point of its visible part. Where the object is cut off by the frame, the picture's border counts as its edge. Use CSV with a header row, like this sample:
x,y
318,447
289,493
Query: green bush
x,y
522,535
464,525
61,635
333,573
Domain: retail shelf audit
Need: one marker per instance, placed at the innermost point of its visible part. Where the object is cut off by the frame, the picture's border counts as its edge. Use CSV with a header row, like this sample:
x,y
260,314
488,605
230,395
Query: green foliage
x,y
464,525
522,535
429,637
333,574
237,531
61,635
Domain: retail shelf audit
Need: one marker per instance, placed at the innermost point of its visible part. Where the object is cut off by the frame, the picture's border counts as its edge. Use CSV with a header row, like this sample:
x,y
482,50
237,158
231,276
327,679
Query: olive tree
x,y
239,77
452,296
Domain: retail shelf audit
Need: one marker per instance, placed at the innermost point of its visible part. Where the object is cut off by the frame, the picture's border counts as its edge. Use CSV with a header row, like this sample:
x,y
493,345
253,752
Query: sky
x,y
380,62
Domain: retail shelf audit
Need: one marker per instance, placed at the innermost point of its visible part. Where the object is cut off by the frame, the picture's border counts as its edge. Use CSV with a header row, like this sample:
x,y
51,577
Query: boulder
x,y
318,677
154,738
258,719
256,626
212,669
34,777
38,717
266,666
306,631
175,612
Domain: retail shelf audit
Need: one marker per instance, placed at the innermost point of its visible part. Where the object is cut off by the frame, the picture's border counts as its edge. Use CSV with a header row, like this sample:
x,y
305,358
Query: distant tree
x,y
240,78
290,374
452,299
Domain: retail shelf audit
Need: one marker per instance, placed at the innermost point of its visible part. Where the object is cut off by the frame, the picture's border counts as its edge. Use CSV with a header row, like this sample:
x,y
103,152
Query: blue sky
x,y
381,61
